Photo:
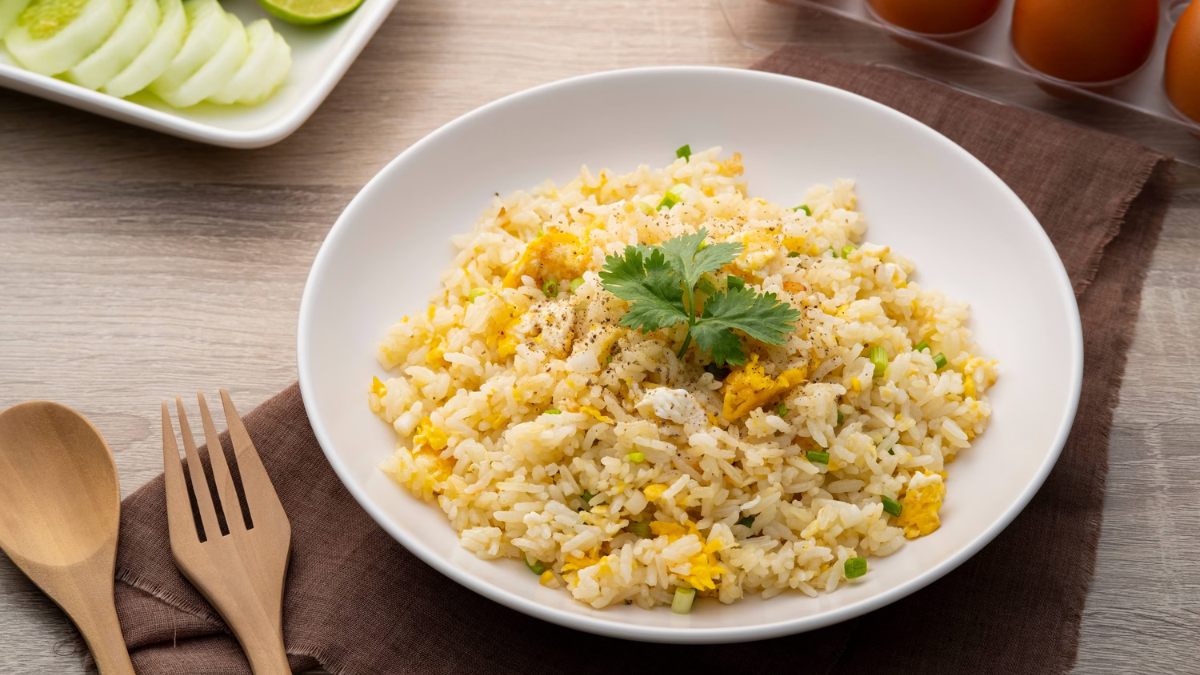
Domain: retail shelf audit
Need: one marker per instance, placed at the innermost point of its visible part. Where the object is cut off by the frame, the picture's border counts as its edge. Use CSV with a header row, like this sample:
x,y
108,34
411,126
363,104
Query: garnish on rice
x,y
660,284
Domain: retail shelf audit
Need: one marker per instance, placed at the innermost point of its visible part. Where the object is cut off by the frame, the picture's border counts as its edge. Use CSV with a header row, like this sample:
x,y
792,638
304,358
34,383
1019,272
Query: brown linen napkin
x,y
357,602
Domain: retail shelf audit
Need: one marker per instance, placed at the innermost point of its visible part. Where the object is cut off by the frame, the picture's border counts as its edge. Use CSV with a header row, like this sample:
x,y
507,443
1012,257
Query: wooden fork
x,y
240,573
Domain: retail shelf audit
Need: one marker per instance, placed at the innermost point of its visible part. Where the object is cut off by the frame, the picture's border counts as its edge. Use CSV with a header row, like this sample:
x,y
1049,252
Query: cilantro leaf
x,y
722,344
660,282
762,317
645,280
690,258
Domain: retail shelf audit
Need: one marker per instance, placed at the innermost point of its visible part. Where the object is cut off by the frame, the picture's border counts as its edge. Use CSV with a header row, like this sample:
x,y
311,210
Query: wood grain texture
x,y
240,569
61,505
134,266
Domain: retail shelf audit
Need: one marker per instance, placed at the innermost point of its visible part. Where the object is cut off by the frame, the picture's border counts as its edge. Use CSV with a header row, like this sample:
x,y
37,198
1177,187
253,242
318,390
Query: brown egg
x,y
1182,77
1085,40
935,17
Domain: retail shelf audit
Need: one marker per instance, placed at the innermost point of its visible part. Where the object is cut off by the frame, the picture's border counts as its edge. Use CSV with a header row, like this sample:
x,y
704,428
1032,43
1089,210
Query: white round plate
x,y
923,196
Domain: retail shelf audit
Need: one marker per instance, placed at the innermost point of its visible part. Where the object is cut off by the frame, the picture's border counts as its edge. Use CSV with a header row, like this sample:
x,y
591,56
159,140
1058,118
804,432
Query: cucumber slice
x,y
213,75
9,11
126,42
263,52
272,77
50,36
153,60
208,26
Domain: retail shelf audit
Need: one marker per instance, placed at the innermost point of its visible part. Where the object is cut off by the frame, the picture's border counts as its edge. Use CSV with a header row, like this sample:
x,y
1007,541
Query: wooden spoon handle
x,y
102,632
266,654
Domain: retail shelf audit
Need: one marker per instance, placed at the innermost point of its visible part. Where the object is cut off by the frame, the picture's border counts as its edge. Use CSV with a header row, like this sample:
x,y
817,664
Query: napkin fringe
x,y
1141,176
171,598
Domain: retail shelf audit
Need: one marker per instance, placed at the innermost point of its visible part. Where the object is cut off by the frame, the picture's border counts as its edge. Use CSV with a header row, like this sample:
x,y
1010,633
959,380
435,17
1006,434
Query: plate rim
x,y
667,634
122,110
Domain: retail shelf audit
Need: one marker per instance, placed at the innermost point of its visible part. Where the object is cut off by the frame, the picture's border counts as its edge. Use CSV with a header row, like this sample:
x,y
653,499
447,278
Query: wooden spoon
x,y
60,504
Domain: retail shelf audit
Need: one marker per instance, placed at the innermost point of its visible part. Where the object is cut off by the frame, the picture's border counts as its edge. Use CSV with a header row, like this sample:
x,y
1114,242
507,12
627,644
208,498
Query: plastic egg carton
x,y
981,62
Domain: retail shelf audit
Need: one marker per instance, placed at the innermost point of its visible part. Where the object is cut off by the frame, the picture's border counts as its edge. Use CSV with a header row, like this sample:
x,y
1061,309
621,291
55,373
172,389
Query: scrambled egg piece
x,y
703,567
427,434
968,371
586,560
501,333
921,504
437,349
749,387
558,256
424,471
595,412
673,405
653,492
759,248
378,387
551,324
795,244
731,166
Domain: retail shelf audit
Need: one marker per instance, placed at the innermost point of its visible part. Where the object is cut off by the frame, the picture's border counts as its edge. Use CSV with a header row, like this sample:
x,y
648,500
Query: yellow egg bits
x,y
555,256
750,387
921,503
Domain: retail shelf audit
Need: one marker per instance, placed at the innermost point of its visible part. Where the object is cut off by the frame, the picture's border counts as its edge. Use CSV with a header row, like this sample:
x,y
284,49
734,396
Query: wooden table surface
x,y
135,266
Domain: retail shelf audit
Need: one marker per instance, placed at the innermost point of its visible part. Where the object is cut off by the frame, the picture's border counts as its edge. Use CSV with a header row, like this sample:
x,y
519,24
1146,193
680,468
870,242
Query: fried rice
x,y
548,432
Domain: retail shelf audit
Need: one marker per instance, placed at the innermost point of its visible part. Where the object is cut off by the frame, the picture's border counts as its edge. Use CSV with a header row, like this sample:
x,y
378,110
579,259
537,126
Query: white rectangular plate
x,y
320,57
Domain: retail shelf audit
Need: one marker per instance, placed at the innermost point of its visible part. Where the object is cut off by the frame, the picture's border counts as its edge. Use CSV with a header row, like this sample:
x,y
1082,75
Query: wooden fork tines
x,y
241,573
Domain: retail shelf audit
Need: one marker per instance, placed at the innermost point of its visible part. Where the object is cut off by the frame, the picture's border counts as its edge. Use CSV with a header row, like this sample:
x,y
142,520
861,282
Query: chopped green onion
x,y
635,457
780,409
576,283
807,211
847,249
641,529
673,196
682,602
540,233
705,286
748,521
939,361
550,288
878,356
536,567
840,418
891,451
817,457
553,411
475,293
586,497
646,208
856,567
793,254
685,152
921,346
833,251
892,506
732,282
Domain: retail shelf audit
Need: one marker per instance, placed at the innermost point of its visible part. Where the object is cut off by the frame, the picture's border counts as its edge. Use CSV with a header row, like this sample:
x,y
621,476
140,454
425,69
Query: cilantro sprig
x,y
660,284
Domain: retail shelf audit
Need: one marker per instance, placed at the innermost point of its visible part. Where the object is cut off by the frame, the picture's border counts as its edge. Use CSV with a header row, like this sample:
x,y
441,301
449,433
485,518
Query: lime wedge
x,y
308,12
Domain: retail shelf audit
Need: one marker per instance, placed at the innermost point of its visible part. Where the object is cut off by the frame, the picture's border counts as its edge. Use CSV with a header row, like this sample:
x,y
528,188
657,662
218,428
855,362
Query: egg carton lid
x,y
981,62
